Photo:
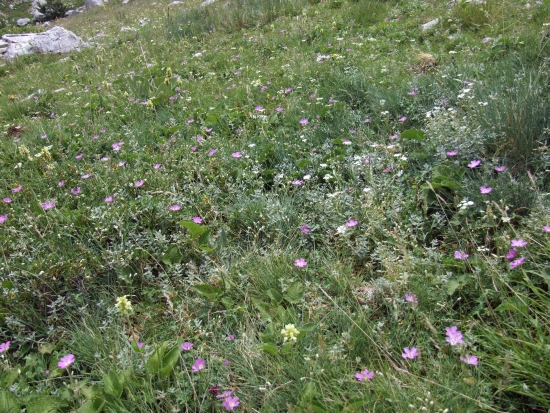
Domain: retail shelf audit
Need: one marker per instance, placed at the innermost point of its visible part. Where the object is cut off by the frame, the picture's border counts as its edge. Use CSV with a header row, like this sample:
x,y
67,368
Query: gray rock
x,y
207,2
430,24
23,22
55,40
90,4
125,1
46,24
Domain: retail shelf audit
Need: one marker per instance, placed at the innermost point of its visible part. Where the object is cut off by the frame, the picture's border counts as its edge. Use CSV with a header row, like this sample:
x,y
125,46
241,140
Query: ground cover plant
x,y
276,206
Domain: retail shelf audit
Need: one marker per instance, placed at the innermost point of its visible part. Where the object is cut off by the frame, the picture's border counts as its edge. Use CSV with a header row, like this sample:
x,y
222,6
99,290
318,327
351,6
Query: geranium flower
x,y
304,122
197,220
485,189
186,346
519,243
460,255
175,208
17,189
517,263
300,263
500,168
48,205
7,200
410,353
4,346
200,364
452,153
212,152
454,336
139,183
411,298
351,223
364,375
3,218
305,229
75,191
230,403
468,359
66,361
511,254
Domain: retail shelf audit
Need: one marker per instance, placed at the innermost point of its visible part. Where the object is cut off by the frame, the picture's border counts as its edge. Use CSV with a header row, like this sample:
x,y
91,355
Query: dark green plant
x,y
53,9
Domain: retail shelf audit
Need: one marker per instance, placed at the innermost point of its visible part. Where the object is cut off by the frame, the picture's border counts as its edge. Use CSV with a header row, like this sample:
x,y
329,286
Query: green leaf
x,y
172,255
227,302
211,119
452,286
337,142
414,134
204,239
8,402
44,404
91,392
170,360
92,406
513,304
302,163
263,308
7,378
112,384
294,293
306,328
154,361
270,348
7,284
288,347
194,229
208,291
275,295
46,348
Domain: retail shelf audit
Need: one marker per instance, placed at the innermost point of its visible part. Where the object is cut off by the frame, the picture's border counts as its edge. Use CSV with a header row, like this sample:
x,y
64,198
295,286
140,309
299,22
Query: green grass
x,y
316,130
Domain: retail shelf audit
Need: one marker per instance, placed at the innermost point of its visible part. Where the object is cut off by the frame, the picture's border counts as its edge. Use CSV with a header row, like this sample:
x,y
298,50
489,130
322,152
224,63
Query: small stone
x,y
430,24
23,22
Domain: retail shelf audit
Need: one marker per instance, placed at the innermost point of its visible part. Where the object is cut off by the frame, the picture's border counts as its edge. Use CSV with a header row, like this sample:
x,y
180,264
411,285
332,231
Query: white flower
x,y
290,332
341,229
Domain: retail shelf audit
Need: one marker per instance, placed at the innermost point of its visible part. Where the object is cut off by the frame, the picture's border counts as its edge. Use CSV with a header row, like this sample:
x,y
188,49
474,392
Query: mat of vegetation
x,y
279,206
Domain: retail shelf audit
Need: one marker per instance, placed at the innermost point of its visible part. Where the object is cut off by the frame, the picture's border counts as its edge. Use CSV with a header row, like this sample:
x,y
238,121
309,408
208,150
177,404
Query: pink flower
x,y
122,163
186,346
305,229
485,189
364,375
500,168
236,155
117,146
43,136
4,346
7,200
139,183
75,191
259,108
386,170
367,120
402,119
139,344
212,152
190,121
517,263
174,208
351,223
61,183
411,298
511,254
460,255
86,176
346,141
297,182
519,243
230,403
157,166
66,361
3,218
197,220
15,190
109,199
208,130
468,359
454,336
200,364
486,40
410,353
304,122
300,263
231,337
79,156
475,163
452,153
546,228
48,205
278,109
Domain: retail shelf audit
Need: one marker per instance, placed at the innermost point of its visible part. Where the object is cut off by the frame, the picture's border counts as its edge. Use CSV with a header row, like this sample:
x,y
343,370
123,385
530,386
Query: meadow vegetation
x,y
279,206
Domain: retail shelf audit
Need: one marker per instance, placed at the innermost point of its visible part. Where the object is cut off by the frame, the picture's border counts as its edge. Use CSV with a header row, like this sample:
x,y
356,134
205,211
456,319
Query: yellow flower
x,y
290,332
123,305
